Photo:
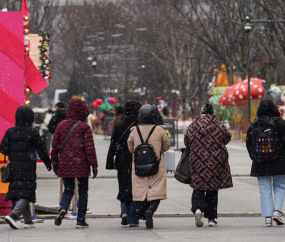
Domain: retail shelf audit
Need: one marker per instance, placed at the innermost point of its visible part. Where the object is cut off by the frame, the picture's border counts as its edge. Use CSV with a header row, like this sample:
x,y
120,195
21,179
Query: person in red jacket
x,y
75,160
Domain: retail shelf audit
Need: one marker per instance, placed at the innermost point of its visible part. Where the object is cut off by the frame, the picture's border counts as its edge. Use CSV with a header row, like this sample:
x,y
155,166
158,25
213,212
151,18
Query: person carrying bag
x,y
147,181
73,154
20,144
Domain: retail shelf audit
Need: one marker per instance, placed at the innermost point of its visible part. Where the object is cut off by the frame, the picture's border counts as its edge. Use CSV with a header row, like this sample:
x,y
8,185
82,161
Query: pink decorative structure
x,y
17,71
12,73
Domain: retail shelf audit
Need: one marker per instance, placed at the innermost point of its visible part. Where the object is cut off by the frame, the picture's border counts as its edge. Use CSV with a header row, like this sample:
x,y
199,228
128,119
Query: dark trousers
x,y
69,185
136,210
207,202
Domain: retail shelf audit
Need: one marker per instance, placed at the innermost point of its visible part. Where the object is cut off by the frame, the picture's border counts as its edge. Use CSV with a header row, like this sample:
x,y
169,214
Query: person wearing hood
x,y
120,158
75,160
154,187
59,116
209,167
20,144
270,173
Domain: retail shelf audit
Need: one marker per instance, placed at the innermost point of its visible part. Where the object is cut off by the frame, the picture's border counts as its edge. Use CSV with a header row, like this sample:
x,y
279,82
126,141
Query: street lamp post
x,y
247,29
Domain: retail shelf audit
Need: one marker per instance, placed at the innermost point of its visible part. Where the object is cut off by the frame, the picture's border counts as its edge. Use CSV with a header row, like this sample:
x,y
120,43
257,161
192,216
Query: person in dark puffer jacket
x,y
75,159
20,143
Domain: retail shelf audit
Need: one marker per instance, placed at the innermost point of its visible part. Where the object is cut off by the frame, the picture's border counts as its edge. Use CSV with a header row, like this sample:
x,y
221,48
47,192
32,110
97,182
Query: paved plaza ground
x,y
239,208
231,229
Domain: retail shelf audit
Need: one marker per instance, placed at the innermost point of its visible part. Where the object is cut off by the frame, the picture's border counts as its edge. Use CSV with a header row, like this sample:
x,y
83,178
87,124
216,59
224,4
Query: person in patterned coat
x,y
209,166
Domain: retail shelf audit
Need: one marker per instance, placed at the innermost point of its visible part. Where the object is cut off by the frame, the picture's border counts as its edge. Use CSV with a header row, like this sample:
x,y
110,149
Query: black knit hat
x,y
60,105
147,114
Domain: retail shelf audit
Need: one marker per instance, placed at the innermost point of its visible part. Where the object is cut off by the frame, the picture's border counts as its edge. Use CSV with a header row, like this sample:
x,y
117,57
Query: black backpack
x,y
146,162
265,143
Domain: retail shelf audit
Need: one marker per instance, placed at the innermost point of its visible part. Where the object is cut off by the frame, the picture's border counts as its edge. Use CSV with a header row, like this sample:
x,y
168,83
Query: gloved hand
x,y
55,168
95,172
49,169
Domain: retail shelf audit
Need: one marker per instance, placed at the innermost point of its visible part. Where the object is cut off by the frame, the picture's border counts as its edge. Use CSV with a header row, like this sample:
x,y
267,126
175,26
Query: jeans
x,y
268,206
69,185
207,204
136,210
22,207
125,207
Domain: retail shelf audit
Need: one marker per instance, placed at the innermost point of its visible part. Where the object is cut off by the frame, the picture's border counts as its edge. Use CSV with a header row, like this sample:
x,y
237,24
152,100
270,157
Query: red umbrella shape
x,y
227,98
257,91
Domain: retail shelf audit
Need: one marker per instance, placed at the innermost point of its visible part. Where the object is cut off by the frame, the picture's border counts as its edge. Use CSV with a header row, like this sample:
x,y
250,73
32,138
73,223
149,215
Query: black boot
x,y
124,219
149,220
82,225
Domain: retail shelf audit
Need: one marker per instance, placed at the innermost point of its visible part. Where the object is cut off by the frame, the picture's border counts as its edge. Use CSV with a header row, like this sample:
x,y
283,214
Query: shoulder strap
x,y
140,135
150,133
69,133
125,132
4,159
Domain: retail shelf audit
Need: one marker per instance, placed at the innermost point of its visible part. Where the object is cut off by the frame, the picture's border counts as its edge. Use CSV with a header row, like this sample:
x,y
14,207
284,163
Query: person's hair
x,y
120,110
60,105
132,108
207,109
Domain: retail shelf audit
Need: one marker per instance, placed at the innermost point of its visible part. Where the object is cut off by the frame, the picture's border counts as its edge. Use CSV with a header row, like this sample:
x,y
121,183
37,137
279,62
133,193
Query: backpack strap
x,y
140,135
150,133
132,124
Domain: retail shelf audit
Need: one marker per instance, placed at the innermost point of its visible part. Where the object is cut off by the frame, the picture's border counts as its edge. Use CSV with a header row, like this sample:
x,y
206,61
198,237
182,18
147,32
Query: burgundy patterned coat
x,y
209,166
79,151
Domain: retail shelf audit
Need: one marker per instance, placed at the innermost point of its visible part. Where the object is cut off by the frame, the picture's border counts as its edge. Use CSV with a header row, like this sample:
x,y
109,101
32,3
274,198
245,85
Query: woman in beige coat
x,y
154,188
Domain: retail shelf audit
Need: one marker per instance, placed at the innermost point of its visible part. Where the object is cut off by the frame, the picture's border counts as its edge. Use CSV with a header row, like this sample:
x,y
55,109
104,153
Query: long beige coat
x,y
152,187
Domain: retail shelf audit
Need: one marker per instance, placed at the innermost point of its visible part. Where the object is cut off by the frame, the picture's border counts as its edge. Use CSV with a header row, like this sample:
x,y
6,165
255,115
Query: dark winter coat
x,y
20,143
59,116
123,158
159,118
209,166
79,151
270,168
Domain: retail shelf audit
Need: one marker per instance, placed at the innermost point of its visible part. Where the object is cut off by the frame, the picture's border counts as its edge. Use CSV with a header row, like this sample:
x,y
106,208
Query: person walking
x,y
266,147
20,143
119,113
59,116
120,158
209,167
154,187
75,159
44,127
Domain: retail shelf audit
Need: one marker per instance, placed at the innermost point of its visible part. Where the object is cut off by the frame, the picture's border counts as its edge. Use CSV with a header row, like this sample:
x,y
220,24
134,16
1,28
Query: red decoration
x,y
237,93
34,78
112,100
99,102
256,90
227,98
95,104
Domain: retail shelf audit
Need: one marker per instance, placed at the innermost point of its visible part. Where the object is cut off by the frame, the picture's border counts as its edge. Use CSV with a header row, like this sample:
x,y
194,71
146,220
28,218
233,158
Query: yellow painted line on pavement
x,y
161,214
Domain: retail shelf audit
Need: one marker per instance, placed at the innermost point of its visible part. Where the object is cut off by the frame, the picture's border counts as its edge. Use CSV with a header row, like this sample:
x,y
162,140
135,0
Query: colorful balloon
x,y
112,100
